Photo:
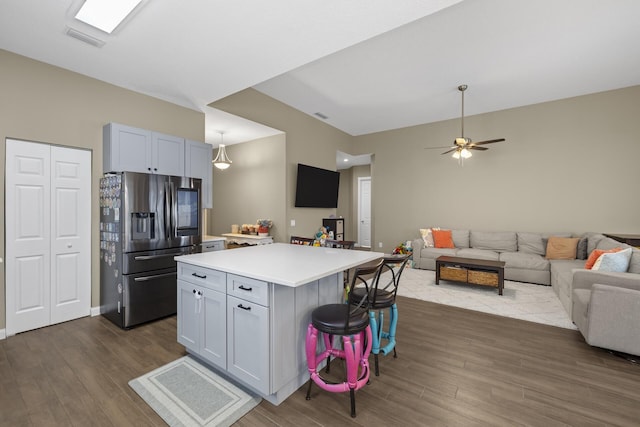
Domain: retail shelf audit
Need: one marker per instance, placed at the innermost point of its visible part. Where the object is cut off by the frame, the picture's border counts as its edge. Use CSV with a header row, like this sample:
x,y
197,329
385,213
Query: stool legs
x,y
378,333
355,352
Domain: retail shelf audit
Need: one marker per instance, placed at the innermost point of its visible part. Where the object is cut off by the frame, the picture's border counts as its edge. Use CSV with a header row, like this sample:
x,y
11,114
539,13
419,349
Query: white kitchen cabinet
x,y
130,149
167,155
202,318
248,343
198,157
211,246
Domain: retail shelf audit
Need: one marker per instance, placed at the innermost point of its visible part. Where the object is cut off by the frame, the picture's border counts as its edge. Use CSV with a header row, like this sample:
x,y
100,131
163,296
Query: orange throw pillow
x,y
595,254
442,239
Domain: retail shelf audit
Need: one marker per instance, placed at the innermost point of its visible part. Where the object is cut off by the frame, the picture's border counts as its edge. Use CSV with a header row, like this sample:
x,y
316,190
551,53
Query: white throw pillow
x,y
427,236
616,261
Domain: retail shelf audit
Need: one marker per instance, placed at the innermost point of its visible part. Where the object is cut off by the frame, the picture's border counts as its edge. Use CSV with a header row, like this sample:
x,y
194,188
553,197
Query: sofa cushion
x,y
434,253
562,247
478,254
442,239
614,261
581,251
592,241
524,260
531,243
609,243
460,238
634,264
502,241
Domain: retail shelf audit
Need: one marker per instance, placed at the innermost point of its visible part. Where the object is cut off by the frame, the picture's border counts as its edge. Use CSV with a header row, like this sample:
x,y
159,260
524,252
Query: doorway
x,y
364,211
48,234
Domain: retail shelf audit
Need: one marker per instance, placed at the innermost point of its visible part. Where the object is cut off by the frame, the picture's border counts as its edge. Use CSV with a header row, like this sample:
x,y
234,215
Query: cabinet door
x,y
248,343
198,156
167,154
188,316
126,149
213,332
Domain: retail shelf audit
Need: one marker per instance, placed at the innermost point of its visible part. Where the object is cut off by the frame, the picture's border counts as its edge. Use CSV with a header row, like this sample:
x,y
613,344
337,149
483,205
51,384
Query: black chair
x,y
349,321
381,297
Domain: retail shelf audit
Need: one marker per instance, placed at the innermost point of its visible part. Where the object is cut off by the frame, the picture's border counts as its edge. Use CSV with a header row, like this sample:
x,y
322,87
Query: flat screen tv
x,y
316,188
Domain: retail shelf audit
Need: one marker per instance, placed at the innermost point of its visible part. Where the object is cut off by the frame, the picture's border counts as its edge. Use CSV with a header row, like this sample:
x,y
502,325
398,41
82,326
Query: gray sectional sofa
x,y
605,306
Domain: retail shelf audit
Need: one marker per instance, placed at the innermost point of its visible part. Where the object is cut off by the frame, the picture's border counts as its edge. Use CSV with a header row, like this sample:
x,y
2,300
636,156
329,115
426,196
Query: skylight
x,y
106,15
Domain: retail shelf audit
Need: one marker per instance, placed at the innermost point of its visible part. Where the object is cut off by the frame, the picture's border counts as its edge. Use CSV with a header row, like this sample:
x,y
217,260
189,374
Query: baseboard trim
x,y
95,311
3,334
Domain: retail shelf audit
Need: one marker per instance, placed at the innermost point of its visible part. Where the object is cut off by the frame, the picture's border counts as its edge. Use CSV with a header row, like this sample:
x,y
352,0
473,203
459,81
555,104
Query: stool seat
x,y
330,319
378,298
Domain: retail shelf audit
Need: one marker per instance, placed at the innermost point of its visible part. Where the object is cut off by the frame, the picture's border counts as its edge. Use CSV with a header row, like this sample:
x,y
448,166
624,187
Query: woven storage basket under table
x,y
486,278
453,273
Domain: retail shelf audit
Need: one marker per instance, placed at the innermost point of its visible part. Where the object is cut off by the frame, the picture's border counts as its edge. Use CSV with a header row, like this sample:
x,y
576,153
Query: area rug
x,y
187,393
525,301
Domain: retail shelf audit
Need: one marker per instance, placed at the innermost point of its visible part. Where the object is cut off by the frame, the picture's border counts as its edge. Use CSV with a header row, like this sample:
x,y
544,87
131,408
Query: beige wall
x,y
308,141
252,188
47,104
568,165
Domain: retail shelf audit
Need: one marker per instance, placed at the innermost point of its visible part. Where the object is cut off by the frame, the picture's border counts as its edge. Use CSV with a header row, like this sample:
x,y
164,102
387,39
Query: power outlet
x,y
379,244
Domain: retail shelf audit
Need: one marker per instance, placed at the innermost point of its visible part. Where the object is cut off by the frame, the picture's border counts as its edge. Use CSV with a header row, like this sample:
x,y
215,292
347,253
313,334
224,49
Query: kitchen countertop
x,y
281,263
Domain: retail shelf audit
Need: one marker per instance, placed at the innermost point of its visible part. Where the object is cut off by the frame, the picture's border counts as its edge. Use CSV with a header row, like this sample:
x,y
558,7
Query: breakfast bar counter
x,y
245,311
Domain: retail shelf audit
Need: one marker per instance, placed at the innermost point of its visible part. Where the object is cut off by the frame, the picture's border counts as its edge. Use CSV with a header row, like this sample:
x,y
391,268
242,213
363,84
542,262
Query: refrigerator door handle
x,y
174,210
156,276
167,211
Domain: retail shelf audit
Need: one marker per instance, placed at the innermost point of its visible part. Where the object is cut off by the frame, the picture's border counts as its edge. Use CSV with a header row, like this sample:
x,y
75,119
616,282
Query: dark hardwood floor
x,y
454,367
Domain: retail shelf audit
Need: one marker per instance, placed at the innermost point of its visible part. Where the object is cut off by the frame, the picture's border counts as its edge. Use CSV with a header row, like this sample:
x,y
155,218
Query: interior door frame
x,y
360,181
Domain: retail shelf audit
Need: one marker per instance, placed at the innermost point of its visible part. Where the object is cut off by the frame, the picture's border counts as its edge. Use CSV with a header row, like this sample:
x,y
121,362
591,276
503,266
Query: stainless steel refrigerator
x,y
145,220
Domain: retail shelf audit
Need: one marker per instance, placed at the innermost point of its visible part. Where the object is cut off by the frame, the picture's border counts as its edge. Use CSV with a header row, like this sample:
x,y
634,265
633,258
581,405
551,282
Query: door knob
x,y
69,245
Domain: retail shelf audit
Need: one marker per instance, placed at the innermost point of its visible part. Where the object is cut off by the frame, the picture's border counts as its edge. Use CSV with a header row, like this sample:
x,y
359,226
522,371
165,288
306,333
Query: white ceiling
x,y
369,65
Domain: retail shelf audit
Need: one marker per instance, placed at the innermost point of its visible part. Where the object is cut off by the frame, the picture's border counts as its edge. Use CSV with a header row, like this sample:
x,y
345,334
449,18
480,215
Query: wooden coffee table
x,y
471,271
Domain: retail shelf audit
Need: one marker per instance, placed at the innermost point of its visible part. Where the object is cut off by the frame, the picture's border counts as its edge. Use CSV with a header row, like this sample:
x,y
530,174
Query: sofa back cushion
x,y
460,238
609,243
634,264
592,241
501,241
531,243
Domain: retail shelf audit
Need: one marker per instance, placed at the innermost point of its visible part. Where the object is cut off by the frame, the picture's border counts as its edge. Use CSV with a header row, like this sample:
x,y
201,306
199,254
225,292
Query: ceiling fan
x,y
462,146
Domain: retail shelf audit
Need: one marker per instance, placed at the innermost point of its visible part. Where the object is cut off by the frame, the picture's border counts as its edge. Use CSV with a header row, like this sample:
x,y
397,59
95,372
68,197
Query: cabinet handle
x,y
199,276
245,289
243,307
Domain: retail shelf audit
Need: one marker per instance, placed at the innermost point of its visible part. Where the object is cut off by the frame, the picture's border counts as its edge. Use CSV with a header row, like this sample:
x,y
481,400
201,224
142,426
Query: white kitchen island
x,y
245,311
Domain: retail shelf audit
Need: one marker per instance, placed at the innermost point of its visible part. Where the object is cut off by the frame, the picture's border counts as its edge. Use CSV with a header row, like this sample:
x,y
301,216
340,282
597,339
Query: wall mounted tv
x,y
316,188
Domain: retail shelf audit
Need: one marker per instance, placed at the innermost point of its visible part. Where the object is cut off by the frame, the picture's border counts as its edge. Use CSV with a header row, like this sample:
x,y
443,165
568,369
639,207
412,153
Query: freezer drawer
x,y
149,296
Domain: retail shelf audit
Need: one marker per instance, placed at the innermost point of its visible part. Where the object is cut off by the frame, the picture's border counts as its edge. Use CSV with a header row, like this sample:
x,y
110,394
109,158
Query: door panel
x,y
70,231
28,249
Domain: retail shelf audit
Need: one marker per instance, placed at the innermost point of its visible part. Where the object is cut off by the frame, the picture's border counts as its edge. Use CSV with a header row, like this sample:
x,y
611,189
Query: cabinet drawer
x,y
211,279
248,289
487,278
453,273
217,245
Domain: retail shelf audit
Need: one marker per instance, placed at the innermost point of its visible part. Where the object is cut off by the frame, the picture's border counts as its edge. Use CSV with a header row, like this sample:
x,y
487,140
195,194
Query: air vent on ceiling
x,y
84,37
322,116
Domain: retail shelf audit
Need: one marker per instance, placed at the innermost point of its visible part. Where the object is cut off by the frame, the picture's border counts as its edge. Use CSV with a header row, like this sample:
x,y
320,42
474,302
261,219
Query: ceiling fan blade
x,y
491,141
453,149
471,147
439,148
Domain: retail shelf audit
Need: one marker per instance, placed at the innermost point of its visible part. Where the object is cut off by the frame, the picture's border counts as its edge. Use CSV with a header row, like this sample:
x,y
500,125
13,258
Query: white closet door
x,y
28,239
70,231
48,229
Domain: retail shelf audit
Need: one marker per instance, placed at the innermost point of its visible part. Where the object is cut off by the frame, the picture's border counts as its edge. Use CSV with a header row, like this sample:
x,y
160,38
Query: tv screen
x,y
316,188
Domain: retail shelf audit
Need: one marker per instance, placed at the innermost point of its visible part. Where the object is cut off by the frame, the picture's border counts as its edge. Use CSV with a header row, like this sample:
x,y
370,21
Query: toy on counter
x,y
321,236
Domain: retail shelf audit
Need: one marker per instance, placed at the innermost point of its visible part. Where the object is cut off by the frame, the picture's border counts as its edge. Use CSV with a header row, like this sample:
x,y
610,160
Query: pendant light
x,y
222,161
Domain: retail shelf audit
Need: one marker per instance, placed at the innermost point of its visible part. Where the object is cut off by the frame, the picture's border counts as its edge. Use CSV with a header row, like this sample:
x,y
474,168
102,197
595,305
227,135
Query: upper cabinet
x,y
197,164
126,148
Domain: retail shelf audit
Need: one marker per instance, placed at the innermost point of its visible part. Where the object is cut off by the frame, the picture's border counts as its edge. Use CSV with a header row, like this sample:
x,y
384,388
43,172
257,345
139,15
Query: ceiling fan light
x,y
456,154
465,154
